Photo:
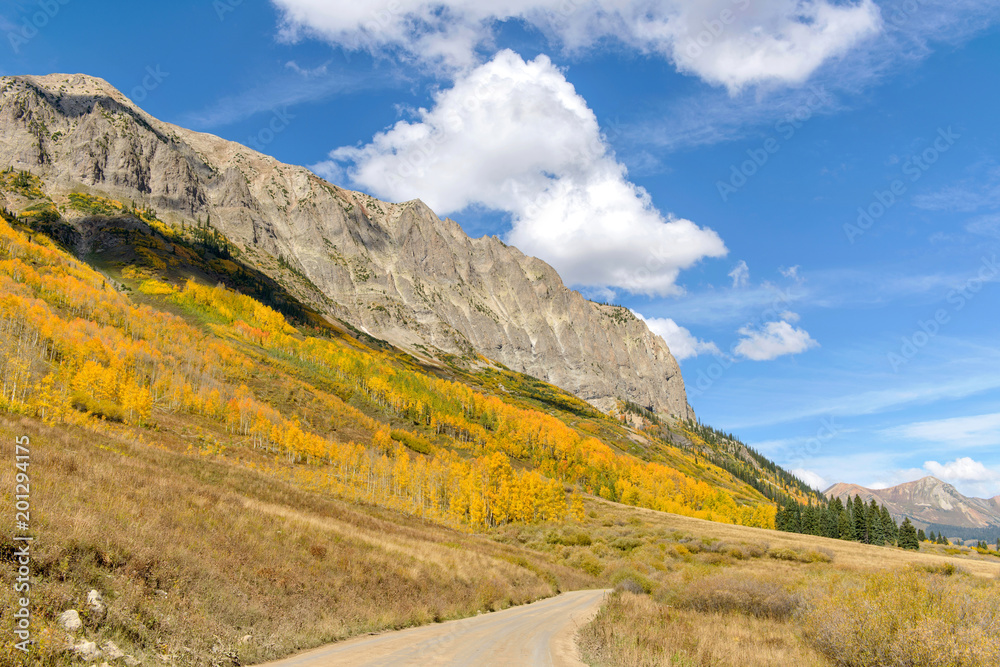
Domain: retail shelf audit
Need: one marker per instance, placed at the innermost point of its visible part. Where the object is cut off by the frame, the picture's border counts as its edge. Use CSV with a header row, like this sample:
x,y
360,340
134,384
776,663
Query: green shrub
x,y
627,543
637,579
106,409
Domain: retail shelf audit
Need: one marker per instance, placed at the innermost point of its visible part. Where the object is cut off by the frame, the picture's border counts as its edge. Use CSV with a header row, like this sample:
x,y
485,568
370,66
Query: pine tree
x,y
889,527
921,535
845,526
860,520
908,536
876,531
809,519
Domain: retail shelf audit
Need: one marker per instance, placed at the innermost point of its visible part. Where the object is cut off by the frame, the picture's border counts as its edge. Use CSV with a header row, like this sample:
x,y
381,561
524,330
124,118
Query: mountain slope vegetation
x,y
141,364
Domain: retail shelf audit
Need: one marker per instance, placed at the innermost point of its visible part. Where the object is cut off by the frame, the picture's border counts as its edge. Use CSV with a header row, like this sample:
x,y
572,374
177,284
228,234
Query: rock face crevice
x,y
396,271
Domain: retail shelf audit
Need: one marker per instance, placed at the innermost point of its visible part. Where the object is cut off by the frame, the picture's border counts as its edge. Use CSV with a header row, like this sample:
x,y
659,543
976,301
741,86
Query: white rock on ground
x,y
70,620
88,651
95,602
111,651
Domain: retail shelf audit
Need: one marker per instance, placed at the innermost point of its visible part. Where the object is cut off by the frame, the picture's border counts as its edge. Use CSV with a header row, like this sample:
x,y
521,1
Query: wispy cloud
x,y
971,431
910,32
296,86
875,401
980,191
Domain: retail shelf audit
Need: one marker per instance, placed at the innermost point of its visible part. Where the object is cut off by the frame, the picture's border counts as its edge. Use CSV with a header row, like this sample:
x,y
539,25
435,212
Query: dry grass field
x,y
692,592
208,563
204,561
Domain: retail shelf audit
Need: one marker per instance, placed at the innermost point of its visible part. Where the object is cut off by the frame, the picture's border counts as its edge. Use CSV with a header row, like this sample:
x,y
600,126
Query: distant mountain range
x,y
931,504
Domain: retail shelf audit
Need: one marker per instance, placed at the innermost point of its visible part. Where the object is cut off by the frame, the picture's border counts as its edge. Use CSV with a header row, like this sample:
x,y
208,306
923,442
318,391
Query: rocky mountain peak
x,y
927,501
393,270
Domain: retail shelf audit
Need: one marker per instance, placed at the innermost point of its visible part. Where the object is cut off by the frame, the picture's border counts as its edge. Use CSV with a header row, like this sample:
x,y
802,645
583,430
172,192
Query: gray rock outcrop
x,y
395,271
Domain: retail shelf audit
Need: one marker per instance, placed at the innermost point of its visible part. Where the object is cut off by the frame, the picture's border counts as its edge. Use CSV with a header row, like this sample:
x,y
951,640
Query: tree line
x,y
855,520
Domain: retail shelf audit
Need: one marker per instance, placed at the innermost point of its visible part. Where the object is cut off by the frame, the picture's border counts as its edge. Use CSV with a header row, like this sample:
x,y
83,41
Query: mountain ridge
x,y
928,501
393,270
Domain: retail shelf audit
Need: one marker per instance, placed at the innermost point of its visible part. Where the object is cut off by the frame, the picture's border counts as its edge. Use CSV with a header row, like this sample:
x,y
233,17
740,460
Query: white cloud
x,y
973,431
982,191
987,225
740,274
773,340
791,272
963,469
733,43
515,136
811,478
682,343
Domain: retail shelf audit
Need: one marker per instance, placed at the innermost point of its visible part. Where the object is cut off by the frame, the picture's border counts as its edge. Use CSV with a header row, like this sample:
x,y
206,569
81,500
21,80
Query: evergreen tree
x,y
876,531
810,519
921,535
889,528
846,526
860,520
832,527
908,536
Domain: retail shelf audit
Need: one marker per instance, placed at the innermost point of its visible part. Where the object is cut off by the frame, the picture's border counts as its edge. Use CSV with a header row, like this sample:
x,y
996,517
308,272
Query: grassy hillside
x,y
240,478
149,344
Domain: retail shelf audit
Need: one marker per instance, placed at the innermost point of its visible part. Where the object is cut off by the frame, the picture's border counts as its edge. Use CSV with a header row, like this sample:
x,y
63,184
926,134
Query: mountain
x,y
928,502
395,271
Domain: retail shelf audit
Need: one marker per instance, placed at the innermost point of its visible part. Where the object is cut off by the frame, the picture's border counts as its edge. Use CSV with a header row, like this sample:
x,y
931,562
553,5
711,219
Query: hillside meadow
x,y
239,481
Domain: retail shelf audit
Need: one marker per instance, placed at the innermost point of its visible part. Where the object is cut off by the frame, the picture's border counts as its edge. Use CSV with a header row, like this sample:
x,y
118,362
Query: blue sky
x,y
802,197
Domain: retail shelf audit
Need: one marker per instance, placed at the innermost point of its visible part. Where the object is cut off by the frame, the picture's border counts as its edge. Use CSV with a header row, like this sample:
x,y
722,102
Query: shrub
x,y
587,562
910,618
630,586
811,556
626,543
106,409
634,578
945,569
728,593
570,538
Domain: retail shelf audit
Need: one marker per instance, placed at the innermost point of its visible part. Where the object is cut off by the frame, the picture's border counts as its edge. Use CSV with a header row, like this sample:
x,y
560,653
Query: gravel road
x,y
534,635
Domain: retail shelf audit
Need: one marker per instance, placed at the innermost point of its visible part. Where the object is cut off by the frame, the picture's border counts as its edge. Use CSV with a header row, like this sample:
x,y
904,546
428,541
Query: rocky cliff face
x,y
927,501
396,271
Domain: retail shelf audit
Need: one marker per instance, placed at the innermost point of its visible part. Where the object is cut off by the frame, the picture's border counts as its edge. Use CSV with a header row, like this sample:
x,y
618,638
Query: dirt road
x,y
528,636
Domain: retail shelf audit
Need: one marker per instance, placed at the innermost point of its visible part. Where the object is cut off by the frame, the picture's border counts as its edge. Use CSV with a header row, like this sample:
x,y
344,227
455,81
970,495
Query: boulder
x,y
86,650
70,621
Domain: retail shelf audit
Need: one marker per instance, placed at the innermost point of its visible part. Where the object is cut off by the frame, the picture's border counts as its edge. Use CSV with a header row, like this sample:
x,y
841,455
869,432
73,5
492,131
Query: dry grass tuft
x,y
635,631
731,593
907,619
